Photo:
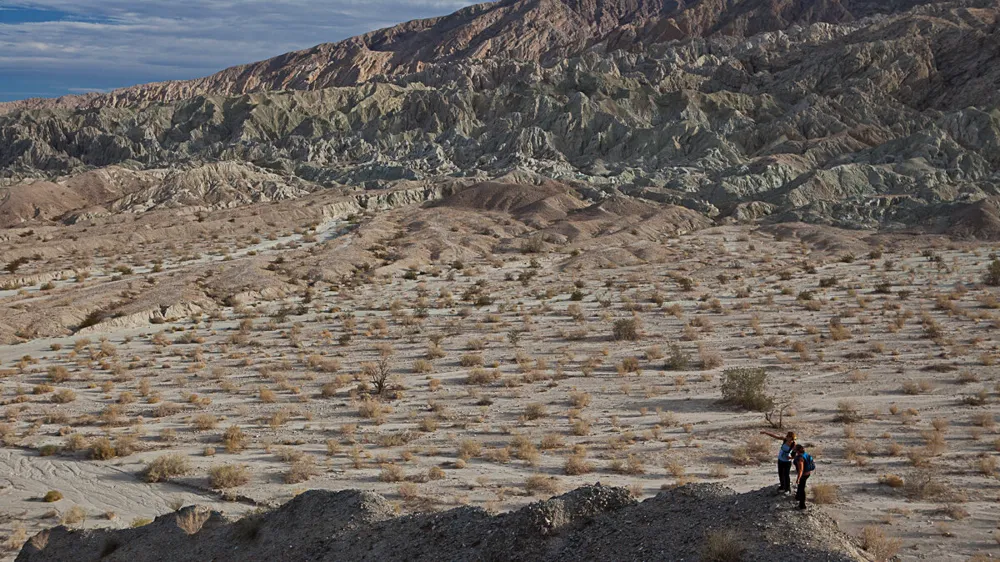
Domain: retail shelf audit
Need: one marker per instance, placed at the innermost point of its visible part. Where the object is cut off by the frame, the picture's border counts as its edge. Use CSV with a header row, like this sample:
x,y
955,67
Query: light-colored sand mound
x,y
980,220
825,238
548,201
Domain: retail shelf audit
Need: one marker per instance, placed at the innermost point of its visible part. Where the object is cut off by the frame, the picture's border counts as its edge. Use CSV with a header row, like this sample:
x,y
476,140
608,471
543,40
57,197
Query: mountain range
x,y
864,114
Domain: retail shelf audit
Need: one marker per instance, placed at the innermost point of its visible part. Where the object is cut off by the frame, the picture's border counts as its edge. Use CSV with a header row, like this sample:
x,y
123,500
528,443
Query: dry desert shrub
x,y
428,424
625,329
524,449
63,396
500,455
710,359
892,480
678,360
167,466
409,491
101,449
985,419
654,353
675,469
628,365
986,465
322,364
967,377
824,494
537,484
228,476
288,454
434,351
580,427
632,465
74,515
756,450
534,411
204,422
234,440
577,464
924,485
18,537
551,441
52,496
469,448
471,360
922,386
302,469
59,374
370,409
579,399
718,471
391,473
883,548
725,545
847,412
838,332
482,376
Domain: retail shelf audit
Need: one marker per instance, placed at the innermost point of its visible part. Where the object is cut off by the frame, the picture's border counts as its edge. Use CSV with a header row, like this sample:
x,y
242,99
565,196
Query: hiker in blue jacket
x,y
804,465
784,460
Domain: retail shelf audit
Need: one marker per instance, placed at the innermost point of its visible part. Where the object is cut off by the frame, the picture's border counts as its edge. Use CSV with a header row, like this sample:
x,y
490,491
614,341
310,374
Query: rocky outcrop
x,y
590,523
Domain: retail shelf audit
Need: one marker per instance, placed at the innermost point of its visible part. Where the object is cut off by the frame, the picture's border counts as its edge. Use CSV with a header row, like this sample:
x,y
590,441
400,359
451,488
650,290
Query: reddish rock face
x,y
534,30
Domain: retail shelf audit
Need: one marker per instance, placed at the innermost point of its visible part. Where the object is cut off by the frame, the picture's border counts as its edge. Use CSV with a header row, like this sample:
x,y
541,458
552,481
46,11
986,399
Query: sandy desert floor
x,y
506,383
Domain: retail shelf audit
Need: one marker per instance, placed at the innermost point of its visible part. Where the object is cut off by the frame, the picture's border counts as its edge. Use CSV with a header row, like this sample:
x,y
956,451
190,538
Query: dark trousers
x,y
784,480
800,494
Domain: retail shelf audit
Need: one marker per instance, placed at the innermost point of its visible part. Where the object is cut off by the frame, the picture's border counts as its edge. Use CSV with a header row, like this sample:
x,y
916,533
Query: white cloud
x,y
186,38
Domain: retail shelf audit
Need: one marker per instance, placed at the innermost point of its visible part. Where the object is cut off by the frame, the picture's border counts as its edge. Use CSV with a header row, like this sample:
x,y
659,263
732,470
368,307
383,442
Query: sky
x,y
51,48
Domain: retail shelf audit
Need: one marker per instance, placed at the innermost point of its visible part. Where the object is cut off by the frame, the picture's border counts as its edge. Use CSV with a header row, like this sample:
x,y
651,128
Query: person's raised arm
x,y
769,434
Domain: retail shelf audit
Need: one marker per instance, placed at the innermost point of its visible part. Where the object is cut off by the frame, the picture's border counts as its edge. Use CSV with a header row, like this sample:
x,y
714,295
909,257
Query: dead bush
x,y
823,494
301,470
537,484
725,545
880,546
167,466
234,440
625,329
228,476
756,450
577,464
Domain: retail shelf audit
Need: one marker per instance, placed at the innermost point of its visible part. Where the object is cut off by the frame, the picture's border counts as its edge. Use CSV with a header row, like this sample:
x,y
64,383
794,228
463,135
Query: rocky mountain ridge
x,y
891,120
593,523
542,31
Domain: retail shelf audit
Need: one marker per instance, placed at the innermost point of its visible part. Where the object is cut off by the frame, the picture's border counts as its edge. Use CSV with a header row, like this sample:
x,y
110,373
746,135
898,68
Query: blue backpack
x,y
808,464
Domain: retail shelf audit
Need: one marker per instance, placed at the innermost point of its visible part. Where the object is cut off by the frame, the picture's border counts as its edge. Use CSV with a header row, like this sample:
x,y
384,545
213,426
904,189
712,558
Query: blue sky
x,y
56,47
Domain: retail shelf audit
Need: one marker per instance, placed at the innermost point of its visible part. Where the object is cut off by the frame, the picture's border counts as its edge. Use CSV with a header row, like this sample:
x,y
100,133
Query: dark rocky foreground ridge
x,y
852,113
590,523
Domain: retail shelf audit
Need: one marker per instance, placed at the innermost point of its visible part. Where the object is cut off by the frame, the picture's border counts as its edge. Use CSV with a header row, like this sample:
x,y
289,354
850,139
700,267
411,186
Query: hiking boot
x,y
801,506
